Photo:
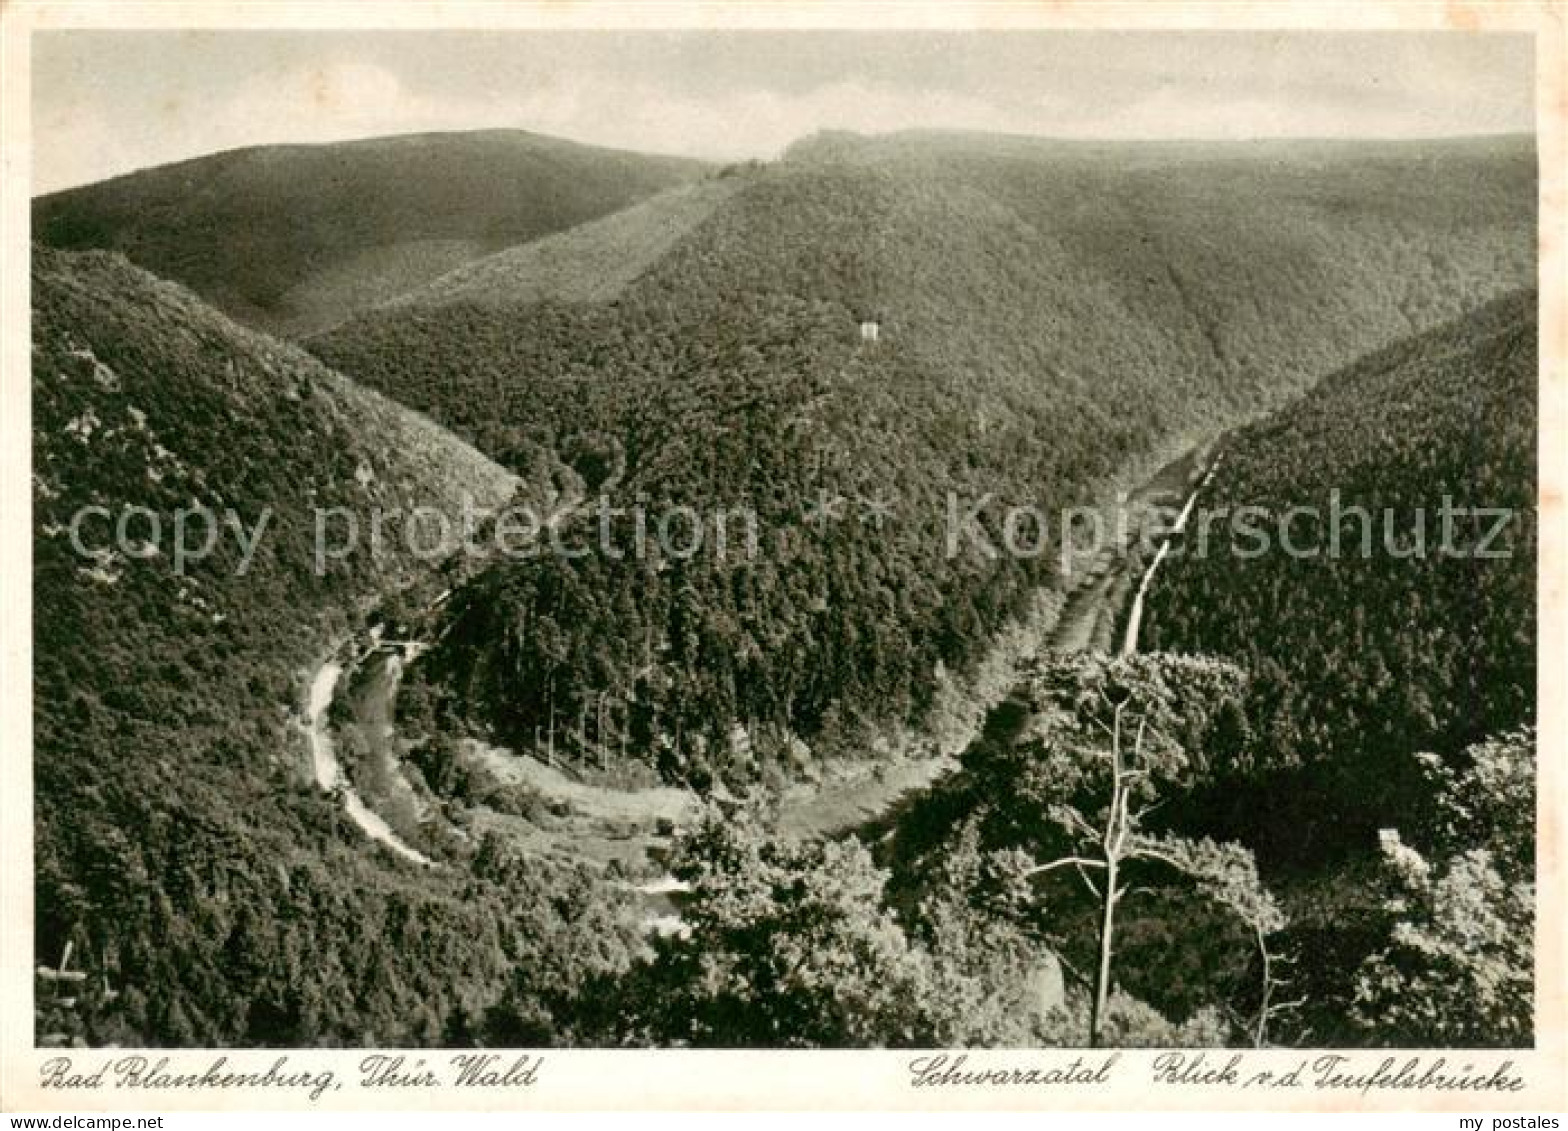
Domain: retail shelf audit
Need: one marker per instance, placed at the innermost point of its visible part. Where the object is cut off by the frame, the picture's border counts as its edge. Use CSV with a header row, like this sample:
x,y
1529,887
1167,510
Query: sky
x,y
108,102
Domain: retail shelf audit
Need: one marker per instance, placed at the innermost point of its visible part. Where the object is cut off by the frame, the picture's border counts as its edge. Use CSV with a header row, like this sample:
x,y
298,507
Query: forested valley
x,y
1036,348
1300,812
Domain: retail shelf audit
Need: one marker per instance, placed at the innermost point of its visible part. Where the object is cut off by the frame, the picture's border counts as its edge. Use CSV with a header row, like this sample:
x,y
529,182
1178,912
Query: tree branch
x,y
1076,861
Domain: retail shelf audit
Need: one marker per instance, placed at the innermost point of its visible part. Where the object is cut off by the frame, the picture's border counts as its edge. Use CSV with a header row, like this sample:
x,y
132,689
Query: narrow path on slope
x,y
1135,616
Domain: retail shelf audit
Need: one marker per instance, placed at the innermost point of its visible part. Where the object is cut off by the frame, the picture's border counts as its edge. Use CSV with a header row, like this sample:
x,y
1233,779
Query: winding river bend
x,y
329,772
851,805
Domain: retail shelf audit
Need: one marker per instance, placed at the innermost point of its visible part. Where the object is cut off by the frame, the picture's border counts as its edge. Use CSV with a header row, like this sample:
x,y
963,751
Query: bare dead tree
x,y
1106,824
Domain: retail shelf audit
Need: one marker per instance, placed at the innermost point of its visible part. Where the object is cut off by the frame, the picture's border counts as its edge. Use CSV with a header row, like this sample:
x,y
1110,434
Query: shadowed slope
x,y
294,238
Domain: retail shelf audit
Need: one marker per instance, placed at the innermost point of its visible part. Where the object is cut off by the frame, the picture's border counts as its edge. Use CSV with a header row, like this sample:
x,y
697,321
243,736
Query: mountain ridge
x,y
258,231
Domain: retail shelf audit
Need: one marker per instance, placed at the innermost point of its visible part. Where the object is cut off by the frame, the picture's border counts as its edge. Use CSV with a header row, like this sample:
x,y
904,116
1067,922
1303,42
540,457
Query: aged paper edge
x,y
768,1080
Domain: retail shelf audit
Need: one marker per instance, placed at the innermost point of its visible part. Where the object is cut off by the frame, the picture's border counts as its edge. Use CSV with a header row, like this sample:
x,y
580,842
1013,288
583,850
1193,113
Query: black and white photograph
x,y
938,539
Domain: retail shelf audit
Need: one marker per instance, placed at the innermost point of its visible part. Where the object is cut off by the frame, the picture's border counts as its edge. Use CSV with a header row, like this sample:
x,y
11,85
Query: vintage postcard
x,y
800,556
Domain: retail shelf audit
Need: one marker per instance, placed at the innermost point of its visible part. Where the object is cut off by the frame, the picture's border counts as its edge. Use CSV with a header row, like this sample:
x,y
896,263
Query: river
x,y
852,806
329,772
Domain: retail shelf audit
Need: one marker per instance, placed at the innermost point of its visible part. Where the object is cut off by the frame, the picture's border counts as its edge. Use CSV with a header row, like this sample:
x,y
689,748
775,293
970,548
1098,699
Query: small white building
x,y
869,329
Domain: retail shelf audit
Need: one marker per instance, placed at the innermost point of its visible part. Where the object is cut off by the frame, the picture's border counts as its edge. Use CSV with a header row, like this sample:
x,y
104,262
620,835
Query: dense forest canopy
x,y
215,895
1327,807
1053,315
1411,645
1393,683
